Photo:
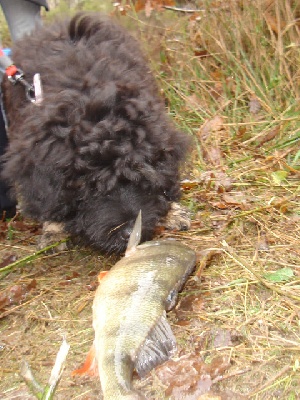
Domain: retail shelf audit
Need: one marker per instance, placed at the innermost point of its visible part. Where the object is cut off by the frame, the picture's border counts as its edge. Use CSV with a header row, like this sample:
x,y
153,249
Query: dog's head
x,y
108,220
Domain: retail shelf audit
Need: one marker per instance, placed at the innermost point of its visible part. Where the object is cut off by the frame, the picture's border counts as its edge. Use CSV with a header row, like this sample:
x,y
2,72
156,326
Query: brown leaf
x,y
268,136
11,296
254,105
201,53
229,201
217,90
273,23
23,226
217,180
189,377
3,229
148,8
211,135
205,257
139,5
15,294
8,260
237,201
188,184
262,244
213,155
222,338
221,205
191,303
216,124
193,102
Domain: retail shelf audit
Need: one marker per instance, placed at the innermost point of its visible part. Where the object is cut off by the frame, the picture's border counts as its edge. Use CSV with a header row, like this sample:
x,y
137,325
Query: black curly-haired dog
x,y
100,147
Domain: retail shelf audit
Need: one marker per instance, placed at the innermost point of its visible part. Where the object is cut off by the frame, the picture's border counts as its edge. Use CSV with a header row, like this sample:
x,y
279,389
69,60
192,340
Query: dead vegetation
x,y
230,77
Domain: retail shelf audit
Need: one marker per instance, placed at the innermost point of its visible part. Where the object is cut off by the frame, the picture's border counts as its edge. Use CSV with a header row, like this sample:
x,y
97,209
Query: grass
x,y
230,77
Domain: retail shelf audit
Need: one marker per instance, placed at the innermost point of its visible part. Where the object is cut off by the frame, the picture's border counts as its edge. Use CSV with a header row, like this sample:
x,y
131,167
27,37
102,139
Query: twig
x,y
30,380
185,10
228,376
285,369
56,372
48,392
32,257
12,310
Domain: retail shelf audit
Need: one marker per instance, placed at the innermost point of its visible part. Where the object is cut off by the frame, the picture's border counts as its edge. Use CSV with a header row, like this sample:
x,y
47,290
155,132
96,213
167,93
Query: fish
x,y
129,313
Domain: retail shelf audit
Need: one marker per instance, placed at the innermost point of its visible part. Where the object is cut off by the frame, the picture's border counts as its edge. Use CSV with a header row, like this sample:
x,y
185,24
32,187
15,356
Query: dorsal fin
x,y
135,236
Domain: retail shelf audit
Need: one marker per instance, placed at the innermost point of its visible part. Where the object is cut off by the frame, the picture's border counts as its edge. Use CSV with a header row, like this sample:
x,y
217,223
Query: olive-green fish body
x,y
131,330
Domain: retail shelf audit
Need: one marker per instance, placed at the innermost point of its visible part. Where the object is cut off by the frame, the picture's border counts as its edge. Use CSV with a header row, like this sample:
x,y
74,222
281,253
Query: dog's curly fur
x,y
100,147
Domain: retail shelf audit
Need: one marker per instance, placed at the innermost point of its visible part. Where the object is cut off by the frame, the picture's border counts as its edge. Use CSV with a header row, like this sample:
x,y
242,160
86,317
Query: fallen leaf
x,y
279,176
262,244
254,105
229,201
217,90
213,155
15,294
221,205
188,184
222,338
10,296
3,229
216,124
201,53
189,377
237,201
11,258
273,23
148,8
205,257
193,102
191,302
268,136
281,275
216,179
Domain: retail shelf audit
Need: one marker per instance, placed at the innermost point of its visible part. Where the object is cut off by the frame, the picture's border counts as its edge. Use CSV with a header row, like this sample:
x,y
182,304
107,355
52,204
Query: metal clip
x,y
33,95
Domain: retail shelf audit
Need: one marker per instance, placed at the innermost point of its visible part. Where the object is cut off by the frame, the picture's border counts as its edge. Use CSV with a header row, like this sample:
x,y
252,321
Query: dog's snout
x,y
125,233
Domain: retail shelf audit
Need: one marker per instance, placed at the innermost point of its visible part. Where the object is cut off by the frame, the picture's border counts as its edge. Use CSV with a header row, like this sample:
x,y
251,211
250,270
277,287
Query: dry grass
x,y
231,79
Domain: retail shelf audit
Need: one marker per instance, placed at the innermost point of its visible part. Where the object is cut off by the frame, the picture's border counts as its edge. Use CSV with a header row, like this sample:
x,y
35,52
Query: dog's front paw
x,y
178,218
53,232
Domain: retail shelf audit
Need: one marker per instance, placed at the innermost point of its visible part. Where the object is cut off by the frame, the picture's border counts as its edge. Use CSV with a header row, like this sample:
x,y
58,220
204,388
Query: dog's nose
x,y
125,233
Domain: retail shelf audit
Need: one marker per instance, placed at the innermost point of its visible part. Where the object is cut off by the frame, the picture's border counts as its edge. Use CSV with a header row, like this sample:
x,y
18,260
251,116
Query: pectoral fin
x,y
89,367
102,275
158,347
